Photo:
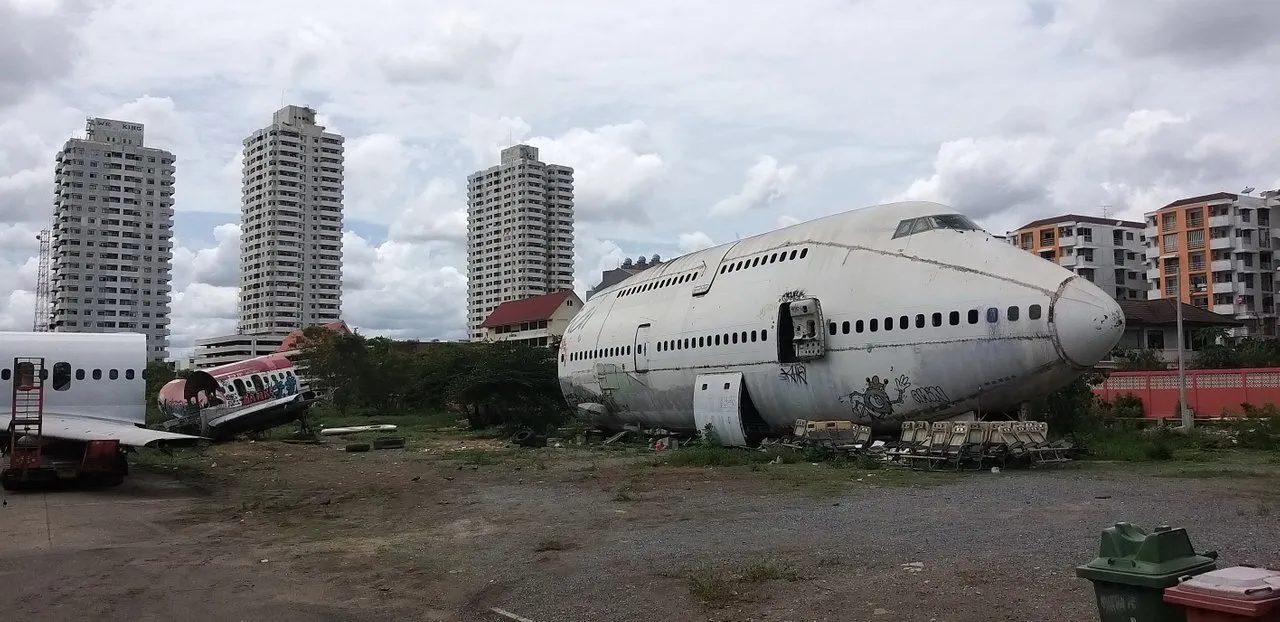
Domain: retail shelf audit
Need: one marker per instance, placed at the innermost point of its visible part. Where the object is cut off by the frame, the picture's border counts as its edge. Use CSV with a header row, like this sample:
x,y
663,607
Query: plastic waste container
x,y
1133,568
1231,594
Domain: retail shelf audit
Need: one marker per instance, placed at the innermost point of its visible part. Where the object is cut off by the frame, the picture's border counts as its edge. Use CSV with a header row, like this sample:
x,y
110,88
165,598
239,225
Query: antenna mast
x,y
43,315
1106,211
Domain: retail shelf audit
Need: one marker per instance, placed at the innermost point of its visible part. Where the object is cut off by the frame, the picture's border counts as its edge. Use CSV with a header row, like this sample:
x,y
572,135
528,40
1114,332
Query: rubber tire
x,y
522,437
357,447
389,442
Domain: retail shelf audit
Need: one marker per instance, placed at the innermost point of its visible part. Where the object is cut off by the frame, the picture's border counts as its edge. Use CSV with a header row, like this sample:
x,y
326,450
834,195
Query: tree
x,y
502,383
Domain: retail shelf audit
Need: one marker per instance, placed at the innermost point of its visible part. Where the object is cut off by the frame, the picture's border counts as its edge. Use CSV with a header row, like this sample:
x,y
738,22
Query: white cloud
x,y
692,242
1007,109
766,183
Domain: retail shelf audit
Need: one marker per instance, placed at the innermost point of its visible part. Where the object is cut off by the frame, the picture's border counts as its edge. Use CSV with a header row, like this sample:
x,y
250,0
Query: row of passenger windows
x,y
62,374
953,318
652,285
668,345
903,322
764,259
713,340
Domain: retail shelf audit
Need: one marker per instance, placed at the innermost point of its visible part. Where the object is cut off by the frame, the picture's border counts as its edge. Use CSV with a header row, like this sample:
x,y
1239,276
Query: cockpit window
x,y
956,222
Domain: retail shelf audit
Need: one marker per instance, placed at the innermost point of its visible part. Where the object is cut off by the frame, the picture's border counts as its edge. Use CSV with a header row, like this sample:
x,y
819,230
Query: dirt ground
x,y
448,528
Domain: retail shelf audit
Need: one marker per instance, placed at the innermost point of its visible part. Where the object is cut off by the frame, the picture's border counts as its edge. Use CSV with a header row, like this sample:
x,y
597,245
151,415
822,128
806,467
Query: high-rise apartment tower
x,y
519,232
112,237
291,225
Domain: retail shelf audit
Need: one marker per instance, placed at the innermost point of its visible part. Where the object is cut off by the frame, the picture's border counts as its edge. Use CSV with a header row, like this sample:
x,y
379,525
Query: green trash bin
x,y
1134,566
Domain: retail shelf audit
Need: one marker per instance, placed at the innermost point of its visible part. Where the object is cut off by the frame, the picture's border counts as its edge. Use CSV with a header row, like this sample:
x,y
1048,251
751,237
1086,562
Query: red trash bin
x,y
1231,594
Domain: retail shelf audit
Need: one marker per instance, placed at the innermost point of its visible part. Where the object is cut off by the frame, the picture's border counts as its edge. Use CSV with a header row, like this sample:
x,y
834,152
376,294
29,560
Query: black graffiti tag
x,y
794,373
929,395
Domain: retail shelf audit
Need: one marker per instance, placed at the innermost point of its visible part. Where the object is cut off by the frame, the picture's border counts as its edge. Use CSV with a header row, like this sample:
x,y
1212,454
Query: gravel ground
x,y
566,535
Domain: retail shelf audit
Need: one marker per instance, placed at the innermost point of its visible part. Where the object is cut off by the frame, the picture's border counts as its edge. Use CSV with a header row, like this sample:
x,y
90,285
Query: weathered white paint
x,y
855,269
87,408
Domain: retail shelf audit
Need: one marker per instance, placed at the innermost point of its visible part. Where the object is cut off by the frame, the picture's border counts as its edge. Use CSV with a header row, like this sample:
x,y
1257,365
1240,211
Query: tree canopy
x,y
507,384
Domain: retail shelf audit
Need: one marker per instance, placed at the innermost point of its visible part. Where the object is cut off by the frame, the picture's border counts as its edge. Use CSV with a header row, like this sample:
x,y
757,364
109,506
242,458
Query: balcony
x,y
1152,252
1222,265
1067,240
1069,261
1150,231
1220,221
1223,288
1227,309
1153,274
1220,243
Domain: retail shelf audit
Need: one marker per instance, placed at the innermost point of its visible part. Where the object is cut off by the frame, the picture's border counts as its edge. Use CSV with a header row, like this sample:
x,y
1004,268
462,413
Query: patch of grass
x,y
702,456
713,589
719,588
767,570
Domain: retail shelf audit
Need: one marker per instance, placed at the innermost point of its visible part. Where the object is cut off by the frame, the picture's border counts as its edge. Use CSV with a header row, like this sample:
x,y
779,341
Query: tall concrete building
x,y
519,233
291,225
1106,251
111,248
1217,252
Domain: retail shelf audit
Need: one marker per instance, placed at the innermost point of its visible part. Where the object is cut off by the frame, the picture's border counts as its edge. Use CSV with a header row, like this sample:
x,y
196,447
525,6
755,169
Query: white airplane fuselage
x,y
93,385
916,314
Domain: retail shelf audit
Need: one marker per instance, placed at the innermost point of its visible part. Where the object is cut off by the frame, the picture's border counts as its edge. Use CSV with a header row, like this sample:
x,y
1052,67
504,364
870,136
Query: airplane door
x,y
802,335
641,348
717,402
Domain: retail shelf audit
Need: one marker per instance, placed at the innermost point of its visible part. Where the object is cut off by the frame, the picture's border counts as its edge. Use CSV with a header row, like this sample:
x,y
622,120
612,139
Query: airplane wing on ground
x,y
92,429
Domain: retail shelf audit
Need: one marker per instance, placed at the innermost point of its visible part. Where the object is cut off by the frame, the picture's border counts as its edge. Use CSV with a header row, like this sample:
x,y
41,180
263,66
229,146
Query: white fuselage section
x,y
91,375
923,325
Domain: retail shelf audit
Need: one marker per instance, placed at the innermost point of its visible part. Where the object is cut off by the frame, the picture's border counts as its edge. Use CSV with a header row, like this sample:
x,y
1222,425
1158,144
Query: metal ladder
x,y
26,430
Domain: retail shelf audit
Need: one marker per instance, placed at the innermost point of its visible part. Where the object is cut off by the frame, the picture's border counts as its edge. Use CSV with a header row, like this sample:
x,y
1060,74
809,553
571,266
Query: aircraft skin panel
x,y
859,273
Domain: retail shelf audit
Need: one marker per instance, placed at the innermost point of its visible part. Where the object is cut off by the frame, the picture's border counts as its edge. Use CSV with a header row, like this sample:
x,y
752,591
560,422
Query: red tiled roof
x,y
291,340
526,310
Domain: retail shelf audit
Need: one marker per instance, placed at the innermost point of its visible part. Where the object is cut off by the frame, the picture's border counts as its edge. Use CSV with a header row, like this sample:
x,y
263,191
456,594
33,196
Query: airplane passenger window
x,y
793,254
858,326
888,323
874,324
700,343
937,319
1033,312
919,320
773,258
973,316
803,252
744,336
4,374
993,315
97,374
628,351
954,318
904,322
80,374
1013,314
831,328
717,339
61,376
764,335
734,336
114,374
844,327
257,382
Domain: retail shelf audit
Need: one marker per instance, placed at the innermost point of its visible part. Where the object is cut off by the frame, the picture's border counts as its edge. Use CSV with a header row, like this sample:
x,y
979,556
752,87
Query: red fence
x,y
1210,392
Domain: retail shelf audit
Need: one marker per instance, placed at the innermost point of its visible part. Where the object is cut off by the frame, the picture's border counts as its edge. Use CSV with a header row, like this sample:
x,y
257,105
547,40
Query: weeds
x,y
718,588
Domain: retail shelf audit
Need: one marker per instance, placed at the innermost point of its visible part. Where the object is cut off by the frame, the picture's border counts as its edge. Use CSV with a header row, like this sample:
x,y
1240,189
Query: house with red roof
x,y
534,320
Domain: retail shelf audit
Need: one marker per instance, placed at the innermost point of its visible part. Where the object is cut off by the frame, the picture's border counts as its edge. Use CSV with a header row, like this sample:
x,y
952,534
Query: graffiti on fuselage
x,y
874,401
794,373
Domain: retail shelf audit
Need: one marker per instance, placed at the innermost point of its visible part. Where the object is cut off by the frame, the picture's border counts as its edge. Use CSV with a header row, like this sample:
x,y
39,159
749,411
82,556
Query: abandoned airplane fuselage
x,y
892,312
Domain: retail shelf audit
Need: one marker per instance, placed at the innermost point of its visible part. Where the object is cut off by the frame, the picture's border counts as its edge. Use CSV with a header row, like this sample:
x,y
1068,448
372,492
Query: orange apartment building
x,y
1106,251
1216,252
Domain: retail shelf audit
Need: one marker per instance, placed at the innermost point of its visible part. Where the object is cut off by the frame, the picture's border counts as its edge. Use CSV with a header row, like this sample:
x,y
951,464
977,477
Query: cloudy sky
x,y
689,123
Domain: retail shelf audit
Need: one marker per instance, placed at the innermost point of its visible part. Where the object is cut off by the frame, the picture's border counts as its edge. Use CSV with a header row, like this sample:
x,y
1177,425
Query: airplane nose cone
x,y
1087,323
